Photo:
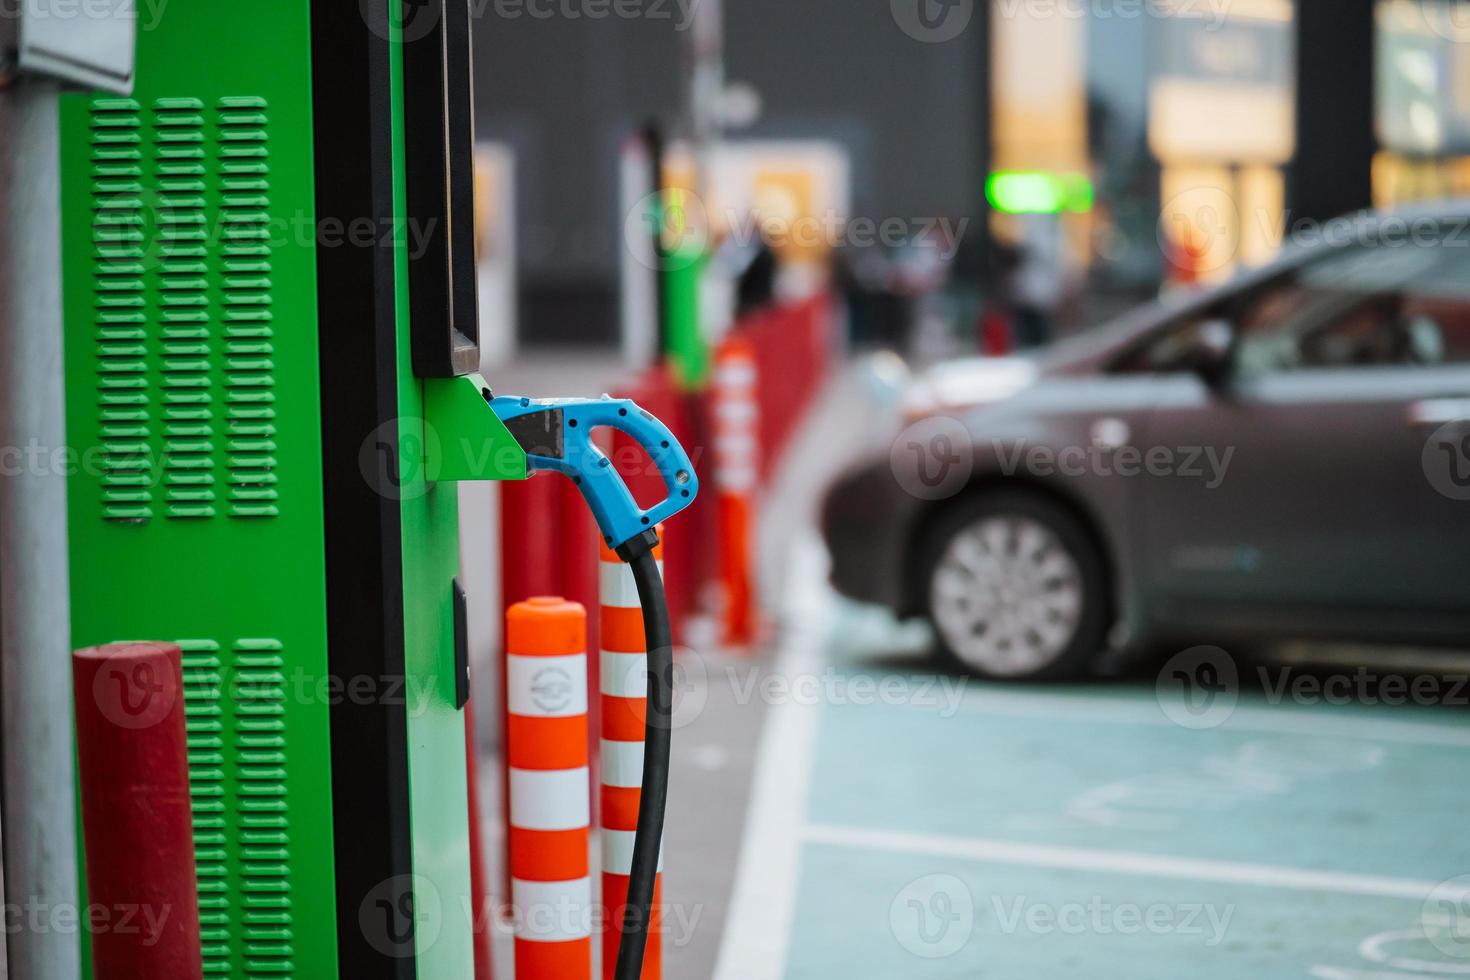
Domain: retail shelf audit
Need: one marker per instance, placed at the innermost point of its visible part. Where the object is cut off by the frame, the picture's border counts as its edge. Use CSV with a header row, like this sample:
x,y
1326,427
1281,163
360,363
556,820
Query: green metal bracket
x,y
464,438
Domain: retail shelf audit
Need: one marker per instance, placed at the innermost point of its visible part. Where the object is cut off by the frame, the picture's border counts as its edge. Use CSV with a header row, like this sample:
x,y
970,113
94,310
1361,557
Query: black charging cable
x,y
658,638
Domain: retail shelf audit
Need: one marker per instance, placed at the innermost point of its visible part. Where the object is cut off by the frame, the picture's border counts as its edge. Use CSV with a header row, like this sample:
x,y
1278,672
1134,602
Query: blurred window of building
x,y
1222,127
1423,100
1040,119
1126,256
1179,119
496,251
1039,145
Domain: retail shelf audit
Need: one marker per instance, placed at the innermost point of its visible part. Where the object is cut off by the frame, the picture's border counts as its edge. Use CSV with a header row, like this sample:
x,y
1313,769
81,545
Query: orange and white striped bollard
x,y
624,683
550,797
737,465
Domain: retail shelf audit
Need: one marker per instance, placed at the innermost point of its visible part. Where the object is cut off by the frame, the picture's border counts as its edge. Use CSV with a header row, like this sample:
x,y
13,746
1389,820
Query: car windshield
x,y
1364,305
1368,306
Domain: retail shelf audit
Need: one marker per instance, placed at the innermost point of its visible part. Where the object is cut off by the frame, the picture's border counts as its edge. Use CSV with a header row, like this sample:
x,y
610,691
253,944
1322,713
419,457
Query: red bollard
x,y
577,542
529,515
996,336
133,761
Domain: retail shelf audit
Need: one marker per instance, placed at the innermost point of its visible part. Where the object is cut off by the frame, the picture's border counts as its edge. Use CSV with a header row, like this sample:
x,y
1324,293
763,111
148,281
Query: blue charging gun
x,y
556,434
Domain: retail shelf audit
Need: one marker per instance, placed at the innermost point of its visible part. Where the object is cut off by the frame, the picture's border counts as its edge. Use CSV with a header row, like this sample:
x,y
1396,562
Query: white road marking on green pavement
x,y
1118,862
1273,720
762,906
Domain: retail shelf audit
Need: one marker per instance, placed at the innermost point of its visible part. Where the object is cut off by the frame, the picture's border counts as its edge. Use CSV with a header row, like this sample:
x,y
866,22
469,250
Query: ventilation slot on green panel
x,y
183,307
237,777
208,778
245,227
119,233
260,732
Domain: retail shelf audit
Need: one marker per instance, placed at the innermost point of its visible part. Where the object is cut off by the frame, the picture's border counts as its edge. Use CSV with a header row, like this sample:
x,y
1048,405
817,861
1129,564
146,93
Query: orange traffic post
x,y
550,798
737,463
624,684
137,825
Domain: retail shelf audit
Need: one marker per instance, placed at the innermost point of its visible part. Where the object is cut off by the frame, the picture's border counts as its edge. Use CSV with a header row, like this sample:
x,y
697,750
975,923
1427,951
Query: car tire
x,y
1015,587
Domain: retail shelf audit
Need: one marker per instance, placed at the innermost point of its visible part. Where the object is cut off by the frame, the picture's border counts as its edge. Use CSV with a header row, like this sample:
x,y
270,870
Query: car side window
x,y
1165,351
1364,306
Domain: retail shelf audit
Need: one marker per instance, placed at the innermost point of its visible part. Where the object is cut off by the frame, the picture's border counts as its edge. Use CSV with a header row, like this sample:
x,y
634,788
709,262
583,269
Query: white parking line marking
x,y
763,904
1279,721
1119,862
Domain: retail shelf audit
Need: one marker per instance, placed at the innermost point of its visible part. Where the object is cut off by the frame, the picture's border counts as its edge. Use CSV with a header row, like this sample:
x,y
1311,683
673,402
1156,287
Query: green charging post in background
x,y
687,348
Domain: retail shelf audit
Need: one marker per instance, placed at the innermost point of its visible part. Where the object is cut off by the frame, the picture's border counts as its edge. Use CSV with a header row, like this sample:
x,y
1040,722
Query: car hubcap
x,y
1007,595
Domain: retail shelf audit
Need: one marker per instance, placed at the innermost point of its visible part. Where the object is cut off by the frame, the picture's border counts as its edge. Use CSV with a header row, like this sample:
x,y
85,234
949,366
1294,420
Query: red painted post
x,y
576,556
530,511
133,761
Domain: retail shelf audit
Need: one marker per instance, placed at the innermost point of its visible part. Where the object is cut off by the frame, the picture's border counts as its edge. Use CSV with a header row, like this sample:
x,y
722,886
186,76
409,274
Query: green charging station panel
x,y
244,357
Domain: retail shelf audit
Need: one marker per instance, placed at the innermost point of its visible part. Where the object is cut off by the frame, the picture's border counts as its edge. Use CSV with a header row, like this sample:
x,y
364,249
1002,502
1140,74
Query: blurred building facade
x,y
1186,118
565,83
1423,101
1139,143
1181,117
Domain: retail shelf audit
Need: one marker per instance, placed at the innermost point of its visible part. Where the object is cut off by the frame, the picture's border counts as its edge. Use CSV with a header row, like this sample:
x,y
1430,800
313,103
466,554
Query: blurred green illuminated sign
x,y
1038,192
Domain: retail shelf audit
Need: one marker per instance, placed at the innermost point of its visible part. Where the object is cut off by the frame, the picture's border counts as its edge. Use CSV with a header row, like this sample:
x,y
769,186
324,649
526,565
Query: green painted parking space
x,y
1083,832
1023,769
863,915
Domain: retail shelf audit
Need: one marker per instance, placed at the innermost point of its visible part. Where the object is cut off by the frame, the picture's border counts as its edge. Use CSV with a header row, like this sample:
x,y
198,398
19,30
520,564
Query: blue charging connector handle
x,y
556,434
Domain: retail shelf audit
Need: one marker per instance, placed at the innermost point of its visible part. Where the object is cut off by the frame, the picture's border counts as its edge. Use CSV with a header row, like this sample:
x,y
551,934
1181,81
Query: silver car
x,y
1287,456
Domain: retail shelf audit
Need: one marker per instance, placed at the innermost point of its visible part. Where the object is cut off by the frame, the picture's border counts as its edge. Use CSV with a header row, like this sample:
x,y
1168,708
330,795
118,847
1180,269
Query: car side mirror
x,y
1209,350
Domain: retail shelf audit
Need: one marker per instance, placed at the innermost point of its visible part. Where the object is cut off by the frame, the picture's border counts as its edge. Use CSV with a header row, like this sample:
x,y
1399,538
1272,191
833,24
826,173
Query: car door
x,y
1324,497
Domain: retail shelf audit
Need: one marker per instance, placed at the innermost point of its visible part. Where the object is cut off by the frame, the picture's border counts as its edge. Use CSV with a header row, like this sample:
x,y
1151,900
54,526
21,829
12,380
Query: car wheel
x,y
1015,588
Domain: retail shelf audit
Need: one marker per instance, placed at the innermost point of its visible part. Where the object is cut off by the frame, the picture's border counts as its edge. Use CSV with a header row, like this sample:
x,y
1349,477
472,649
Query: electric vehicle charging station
x,y
270,339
